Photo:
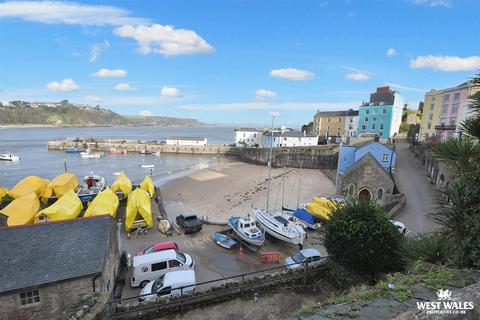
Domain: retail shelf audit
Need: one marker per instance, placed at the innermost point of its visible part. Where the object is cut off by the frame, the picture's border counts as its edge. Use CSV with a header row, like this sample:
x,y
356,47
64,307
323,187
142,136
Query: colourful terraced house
x,y
381,115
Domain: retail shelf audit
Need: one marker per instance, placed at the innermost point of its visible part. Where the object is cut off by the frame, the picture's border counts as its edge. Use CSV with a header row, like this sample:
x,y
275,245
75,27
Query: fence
x,y
215,291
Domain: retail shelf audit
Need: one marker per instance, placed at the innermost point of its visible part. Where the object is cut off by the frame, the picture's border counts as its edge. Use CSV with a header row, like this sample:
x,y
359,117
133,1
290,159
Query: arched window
x,y
380,194
351,189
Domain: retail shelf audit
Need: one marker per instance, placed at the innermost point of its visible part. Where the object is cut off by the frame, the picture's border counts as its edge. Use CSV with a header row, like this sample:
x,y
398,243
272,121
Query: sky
x,y
234,61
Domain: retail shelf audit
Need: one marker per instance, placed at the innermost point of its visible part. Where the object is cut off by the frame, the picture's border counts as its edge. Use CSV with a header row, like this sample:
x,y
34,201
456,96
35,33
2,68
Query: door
x,y
364,194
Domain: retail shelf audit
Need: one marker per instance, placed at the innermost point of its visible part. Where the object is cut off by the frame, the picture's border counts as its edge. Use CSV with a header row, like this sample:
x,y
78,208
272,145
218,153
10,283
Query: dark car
x,y
189,223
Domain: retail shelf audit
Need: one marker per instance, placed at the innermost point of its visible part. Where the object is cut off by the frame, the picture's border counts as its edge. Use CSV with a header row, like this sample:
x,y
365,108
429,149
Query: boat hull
x,y
257,242
270,228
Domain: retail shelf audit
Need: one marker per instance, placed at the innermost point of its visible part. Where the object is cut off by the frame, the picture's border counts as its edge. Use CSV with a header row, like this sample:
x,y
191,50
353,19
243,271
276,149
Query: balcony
x,y
444,127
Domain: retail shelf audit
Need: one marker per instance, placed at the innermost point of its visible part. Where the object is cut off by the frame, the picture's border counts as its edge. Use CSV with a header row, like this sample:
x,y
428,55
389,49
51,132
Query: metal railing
x,y
236,285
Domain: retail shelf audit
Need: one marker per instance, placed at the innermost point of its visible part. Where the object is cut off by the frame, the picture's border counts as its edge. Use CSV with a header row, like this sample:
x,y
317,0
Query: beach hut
x,y
67,207
147,185
60,186
123,184
28,185
139,210
106,202
22,210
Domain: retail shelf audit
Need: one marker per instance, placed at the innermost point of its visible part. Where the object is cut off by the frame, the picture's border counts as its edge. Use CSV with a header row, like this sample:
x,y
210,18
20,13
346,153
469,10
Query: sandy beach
x,y
233,188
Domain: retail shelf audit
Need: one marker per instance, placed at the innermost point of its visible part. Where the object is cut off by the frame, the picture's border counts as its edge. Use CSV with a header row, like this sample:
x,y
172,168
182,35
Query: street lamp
x,y
273,115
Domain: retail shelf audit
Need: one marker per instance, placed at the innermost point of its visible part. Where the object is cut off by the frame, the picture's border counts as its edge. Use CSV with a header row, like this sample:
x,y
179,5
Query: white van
x,y
174,283
149,267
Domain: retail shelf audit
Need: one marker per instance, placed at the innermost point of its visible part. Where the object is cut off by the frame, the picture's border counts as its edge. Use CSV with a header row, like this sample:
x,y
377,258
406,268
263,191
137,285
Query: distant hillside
x,y
66,114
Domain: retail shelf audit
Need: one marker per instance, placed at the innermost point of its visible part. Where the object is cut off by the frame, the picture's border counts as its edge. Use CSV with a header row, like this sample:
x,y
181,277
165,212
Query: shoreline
x,y
25,126
231,187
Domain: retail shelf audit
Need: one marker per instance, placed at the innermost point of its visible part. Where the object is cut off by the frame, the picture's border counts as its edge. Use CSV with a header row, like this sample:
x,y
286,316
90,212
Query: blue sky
x,y
233,61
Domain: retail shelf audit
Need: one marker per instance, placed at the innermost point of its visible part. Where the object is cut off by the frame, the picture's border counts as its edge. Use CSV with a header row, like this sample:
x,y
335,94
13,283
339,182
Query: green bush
x,y
360,237
432,248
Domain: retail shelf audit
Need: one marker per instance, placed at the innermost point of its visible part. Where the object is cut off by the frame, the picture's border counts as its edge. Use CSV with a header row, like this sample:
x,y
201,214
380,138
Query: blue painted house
x,y
349,155
382,115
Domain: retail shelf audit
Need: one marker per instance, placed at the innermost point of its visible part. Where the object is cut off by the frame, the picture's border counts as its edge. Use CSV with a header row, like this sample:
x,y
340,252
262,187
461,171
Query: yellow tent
x,y
139,210
106,202
147,185
318,210
3,193
67,207
123,184
60,186
22,210
28,185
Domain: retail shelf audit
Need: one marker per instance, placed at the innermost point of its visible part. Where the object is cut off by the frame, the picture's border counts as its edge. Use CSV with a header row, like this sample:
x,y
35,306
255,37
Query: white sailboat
x,y
275,223
9,157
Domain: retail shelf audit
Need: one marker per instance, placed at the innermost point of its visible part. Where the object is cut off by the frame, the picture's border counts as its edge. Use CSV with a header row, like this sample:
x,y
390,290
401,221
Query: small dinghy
x,y
88,154
74,150
91,186
224,241
247,230
147,166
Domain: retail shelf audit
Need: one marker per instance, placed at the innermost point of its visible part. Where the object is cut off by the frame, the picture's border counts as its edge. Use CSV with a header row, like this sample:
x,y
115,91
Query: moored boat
x,y
224,241
277,226
247,230
146,152
91,186
310,220
147,166
9,157
74,150
88,154
117,151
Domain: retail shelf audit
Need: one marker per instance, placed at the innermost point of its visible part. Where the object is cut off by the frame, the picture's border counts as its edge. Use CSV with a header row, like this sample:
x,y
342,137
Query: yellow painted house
x,y
432,108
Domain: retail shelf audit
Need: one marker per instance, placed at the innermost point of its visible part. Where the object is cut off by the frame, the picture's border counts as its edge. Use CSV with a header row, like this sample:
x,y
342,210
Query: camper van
x,y
175,283
149,267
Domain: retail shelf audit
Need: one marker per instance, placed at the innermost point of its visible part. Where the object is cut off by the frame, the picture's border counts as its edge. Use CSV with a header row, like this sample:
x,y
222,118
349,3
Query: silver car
x,y
302,257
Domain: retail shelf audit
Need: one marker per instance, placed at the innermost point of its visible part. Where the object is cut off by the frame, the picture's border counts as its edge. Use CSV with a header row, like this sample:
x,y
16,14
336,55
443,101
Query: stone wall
x,y
54,300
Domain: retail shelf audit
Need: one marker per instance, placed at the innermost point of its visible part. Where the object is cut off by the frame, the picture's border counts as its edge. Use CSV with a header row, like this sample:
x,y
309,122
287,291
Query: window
x,y
374,111
456,97
367,111
366,119
430,116
374,119
382,119
339,119
159,266
173,263
351,189
364,127
29,297
164,291
452,121
379,194
381,127
384,111
351,120
444,109
328,119
373,126
431,106
350,127
433,98
254,135
385,157
446,98
429,125
454,109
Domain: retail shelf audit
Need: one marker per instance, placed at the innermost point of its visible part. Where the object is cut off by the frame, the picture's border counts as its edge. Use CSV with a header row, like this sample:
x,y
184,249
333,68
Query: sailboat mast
x,y
299,183
270,164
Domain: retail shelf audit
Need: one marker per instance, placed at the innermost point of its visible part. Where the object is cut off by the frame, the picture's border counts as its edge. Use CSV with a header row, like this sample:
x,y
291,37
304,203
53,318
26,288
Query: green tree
x,y
360,237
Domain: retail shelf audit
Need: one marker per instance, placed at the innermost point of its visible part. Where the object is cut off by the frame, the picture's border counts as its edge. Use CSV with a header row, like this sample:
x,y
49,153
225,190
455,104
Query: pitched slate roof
x,y
39,254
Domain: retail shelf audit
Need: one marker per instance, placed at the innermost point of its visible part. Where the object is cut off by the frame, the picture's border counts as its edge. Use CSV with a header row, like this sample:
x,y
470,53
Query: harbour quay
x,y
141,146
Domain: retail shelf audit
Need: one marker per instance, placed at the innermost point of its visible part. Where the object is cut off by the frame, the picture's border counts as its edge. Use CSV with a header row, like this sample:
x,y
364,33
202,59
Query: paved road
x,y
412,181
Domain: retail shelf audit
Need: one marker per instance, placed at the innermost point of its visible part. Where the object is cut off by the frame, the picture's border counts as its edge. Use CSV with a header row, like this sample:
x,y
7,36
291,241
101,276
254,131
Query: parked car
x,y
171,284
400,226
149,267
189,222
300,258
160,246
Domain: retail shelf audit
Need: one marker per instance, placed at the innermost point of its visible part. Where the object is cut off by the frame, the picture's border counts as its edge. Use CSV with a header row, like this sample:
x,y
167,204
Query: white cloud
x,y
146,113
165,40
357,76
171,92
125,87
65,85
391,52
97,49
55,12
292,74
404,88
236,106
434,3
446,63
110,73
93,99
262,94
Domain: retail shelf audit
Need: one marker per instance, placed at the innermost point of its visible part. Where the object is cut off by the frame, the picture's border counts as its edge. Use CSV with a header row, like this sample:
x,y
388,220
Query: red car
x,y
167,245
